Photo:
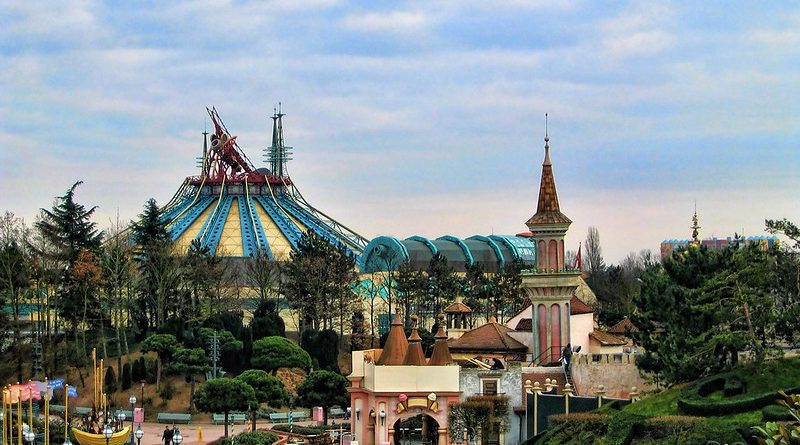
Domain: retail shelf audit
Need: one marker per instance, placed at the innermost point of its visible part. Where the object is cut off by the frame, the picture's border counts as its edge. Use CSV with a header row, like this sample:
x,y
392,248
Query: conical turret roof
x,y
415,356
548,210
441,352
394,351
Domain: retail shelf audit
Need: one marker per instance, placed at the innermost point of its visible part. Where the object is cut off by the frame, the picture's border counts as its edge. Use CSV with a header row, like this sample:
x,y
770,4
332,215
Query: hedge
x,y
775,413
250,438
623,427
693,399
575,429
300,430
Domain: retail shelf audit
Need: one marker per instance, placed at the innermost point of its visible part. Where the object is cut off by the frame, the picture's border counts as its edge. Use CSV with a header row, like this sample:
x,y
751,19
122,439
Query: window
x,y
489,387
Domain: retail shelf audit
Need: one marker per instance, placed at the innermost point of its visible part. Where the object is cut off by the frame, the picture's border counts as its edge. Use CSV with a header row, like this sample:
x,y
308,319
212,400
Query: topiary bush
x,y
775,413
126,376
250,438
693,400
575,429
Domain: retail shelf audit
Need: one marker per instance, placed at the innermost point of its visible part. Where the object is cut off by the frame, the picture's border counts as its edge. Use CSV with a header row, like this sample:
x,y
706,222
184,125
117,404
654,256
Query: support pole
x,y
66,411
46,413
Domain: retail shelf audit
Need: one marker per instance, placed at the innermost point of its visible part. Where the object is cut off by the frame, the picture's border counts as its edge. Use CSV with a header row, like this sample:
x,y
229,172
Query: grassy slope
x,y
770,377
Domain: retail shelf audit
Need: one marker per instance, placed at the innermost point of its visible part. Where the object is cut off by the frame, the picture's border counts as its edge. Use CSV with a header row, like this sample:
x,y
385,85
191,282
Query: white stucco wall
x,y
580,327
509,384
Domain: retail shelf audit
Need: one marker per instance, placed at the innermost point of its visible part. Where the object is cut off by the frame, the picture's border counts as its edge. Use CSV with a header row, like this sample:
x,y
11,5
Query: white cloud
x,y
638,31
391,21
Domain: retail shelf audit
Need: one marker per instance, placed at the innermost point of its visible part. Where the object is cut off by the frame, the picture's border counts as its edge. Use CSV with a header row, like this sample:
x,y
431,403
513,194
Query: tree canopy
x,y
323,388
223,396
165,345
704,307
271,353
269,389
190,362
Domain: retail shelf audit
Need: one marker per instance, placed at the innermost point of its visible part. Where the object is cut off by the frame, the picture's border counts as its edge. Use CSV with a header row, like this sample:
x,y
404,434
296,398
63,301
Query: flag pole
x,y
66,411
46,412
19,418
5,418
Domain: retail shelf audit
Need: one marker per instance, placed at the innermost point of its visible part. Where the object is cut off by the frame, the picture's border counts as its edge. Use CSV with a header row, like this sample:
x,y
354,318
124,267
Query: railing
x,y
545,357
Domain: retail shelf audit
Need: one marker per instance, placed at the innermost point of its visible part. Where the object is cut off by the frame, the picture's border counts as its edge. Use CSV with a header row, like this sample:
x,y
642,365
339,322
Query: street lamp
x,y
121,418
143,382
108,432
30,437
132,399
139,434
177,438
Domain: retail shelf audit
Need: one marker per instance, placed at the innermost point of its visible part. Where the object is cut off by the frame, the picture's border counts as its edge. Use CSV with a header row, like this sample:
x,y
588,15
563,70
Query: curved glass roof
x,y
493,252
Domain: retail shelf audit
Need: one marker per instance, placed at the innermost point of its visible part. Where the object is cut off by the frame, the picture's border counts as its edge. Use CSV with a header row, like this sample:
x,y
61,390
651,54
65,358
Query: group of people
x,y
94,422
169,433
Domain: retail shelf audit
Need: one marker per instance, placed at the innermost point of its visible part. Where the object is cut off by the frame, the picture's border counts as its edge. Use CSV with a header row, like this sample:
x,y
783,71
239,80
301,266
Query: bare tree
x,y
594,253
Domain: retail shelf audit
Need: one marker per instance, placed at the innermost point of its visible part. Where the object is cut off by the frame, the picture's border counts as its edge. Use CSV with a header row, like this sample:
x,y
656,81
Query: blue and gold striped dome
x,y
236,210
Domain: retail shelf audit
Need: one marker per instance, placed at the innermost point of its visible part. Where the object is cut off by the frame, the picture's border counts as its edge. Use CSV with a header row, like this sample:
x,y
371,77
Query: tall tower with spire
x,y
548,225
552,285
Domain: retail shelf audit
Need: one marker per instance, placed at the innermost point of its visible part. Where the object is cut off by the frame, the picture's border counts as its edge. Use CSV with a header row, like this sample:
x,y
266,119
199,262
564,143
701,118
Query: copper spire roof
x,y
548,210
414,354
441,353
394,351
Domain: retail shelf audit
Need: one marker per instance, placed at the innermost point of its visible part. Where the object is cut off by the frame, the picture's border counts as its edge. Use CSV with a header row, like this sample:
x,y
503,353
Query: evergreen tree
x,y
190,362
67,229
411,285
159,273
441,287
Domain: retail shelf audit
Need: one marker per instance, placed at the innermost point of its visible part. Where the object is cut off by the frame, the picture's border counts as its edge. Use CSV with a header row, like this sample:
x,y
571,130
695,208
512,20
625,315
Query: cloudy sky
x,y
417,117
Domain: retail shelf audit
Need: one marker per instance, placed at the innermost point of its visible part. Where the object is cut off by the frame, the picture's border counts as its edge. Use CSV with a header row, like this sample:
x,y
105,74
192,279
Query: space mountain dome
x,y
236,210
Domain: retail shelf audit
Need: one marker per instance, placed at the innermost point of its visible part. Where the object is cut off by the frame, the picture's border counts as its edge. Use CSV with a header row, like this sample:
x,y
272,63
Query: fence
x,y
543,402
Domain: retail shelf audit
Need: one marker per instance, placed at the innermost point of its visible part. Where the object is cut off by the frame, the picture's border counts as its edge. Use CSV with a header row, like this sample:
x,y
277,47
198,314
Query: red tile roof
x,y
457,308
491,337
607,339
624,327
577,307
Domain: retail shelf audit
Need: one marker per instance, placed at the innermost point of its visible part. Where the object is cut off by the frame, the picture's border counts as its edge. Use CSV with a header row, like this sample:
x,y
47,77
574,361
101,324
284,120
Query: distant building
x,y
670,245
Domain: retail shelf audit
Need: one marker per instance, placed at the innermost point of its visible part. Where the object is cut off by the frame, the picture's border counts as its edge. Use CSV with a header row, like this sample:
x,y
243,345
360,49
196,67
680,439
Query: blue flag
x,y
72,392
55,383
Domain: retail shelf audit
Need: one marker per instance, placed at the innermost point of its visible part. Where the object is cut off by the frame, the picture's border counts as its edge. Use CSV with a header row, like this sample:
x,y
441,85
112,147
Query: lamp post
x,y
132,399
139,434
143,382
177,438
108,432
121,418
30,437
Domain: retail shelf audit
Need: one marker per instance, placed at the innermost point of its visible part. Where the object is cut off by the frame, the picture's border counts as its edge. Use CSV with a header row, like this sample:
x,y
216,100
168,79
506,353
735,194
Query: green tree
x,y
266,321
67,230
190,362
410,288
271,353
702,308
269,389
323,388
159,271
441,286
165,346
476,415
225,395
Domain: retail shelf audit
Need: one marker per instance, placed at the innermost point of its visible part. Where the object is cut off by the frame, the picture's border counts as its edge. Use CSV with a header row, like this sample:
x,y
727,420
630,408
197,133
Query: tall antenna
x,y
546,142
278,153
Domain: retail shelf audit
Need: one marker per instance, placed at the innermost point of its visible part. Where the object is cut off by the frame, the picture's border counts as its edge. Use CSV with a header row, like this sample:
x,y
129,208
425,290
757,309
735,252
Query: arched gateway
x,y
389,386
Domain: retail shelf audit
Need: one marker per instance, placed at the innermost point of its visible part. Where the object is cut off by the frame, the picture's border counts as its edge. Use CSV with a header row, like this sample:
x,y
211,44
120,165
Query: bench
x,y
219,419
82,410
57,408
173,418
284,417
336,412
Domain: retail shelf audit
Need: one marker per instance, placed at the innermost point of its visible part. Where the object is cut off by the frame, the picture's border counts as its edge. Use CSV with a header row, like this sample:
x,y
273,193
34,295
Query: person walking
x,y
566,356
167,436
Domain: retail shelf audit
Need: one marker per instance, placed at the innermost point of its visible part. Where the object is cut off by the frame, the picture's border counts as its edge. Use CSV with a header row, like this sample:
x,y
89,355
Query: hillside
x,y
722,408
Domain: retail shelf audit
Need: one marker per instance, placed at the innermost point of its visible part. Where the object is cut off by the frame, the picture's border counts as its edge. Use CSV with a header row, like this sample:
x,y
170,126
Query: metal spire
x,y
695,227
546,143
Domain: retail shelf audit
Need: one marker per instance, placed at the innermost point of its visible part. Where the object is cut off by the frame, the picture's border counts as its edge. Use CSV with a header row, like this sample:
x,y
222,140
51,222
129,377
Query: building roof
x,y
494,252
577,307
548,210
394,350
414,354
607,339
623,327
491,337
441,353
457,308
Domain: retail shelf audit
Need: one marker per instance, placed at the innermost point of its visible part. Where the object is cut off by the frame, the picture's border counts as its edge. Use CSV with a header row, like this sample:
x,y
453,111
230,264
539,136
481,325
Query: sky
x,y
417,118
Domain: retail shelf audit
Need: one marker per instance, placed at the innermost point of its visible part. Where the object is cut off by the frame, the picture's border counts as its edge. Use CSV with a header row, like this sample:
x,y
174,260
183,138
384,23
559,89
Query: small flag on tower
x,y
72,392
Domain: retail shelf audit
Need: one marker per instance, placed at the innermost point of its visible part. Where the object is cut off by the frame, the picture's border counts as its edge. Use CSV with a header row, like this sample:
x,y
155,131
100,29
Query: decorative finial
x,y
546,143
695,227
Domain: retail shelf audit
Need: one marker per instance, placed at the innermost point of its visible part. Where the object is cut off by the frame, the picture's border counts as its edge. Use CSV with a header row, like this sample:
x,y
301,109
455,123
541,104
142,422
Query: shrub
x,y
623,427
250,438
167,391
110,380
301,430
323,346
575,429
733,387
126,376
775,413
